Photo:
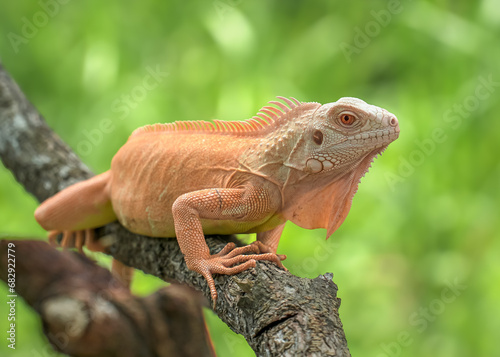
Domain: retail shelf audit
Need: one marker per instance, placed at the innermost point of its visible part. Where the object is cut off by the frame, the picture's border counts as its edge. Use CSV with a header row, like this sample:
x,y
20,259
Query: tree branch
x,y
87,312
278,314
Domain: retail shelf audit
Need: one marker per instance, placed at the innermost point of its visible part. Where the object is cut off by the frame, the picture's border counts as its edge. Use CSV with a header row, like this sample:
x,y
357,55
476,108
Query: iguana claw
x,y
224,263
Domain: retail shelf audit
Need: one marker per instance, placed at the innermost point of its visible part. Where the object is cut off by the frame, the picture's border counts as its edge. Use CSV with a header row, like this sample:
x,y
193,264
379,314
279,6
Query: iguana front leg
x,y
244,207
271,238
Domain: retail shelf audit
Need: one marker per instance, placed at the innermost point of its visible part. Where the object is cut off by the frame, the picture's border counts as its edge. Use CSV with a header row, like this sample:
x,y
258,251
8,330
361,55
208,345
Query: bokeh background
x,y
417,260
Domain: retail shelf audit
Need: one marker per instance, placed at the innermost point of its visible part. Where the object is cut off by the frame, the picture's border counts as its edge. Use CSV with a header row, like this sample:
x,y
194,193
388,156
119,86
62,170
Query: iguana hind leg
x,y
78,207
79,239
76,239
76,211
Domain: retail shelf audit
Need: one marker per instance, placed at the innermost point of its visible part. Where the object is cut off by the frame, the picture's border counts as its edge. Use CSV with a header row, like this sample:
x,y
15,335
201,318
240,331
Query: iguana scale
x,y
293,161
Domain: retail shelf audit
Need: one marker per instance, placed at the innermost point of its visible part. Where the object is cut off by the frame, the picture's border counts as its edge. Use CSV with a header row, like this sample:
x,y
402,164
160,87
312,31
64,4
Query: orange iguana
x,y
294,161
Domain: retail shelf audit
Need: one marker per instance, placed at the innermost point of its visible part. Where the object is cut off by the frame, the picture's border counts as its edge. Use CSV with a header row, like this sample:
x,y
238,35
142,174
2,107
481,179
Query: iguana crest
x,y
266,119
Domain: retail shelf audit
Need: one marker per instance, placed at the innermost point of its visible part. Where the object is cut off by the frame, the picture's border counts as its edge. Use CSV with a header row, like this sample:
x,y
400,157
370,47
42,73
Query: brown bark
x,y
279,314
86,312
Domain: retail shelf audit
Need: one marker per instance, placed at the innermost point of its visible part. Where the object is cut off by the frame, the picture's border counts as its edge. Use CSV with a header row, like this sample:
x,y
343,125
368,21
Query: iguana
x,y
293,161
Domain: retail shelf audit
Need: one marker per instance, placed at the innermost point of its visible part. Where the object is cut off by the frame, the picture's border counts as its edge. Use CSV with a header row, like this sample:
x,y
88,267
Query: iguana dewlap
x,y
293,161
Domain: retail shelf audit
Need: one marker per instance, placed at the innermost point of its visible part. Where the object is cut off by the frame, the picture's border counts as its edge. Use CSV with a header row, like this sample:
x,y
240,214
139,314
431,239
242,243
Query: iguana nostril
x,y
393,121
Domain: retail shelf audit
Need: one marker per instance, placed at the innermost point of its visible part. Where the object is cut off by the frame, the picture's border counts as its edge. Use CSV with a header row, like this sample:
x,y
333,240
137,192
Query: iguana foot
x,y
263,248
224,261
76,239
86,237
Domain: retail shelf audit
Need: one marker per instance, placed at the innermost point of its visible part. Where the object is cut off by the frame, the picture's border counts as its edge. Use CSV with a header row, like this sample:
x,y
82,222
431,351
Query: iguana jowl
x,y
293,161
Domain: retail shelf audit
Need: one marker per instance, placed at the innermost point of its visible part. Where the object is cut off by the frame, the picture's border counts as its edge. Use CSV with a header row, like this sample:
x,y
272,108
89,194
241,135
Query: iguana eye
x,y
318,137
347,119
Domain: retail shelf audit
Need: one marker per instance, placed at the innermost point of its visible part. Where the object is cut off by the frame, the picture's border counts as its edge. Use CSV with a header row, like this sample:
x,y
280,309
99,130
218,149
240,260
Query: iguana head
x,y
335,149
342,135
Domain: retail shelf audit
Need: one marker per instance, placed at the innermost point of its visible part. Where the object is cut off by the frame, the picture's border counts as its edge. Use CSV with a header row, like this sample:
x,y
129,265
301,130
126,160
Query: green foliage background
x,y
424,218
